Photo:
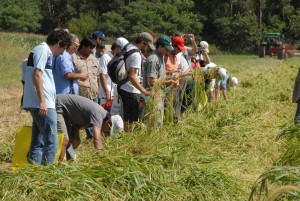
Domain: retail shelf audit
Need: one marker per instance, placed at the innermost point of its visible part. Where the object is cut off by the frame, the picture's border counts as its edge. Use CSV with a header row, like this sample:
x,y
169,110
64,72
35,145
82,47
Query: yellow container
x,y
22,146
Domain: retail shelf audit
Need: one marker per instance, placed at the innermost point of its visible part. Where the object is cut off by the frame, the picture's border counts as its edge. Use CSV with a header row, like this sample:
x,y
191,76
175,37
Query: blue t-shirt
x,y
64,65
40,57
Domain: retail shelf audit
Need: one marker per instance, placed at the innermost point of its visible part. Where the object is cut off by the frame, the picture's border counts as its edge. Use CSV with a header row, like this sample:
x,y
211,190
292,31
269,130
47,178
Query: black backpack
x,y
117,69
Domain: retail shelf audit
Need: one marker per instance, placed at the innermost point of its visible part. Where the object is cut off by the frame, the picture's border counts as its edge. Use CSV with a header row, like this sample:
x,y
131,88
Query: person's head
x,y
58,40
164,44
87,44
75,44
145,42
99,37
100,49
115,48
178,44
121,42
204,46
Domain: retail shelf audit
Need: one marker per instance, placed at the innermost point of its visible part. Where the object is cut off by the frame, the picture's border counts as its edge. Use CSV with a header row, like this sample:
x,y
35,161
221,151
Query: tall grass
x,y
214,154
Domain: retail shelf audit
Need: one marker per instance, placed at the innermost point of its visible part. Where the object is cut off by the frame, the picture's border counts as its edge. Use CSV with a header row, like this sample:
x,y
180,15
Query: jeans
x,y
89,127
44,141
297,115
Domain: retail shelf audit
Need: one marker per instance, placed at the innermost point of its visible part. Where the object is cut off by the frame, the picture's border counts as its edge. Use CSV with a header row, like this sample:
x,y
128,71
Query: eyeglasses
x,y
76,44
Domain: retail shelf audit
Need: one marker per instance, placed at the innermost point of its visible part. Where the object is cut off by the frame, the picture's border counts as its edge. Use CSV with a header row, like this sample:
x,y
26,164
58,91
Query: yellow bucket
x,y
22,146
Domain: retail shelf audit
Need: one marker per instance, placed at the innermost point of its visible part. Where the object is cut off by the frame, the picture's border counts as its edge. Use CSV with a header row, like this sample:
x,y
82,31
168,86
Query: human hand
x,y
84,76
43,109
192,37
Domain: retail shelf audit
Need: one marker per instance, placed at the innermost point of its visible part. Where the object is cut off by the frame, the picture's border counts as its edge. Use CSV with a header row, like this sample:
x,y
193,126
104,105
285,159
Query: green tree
x,y
21,16
240,33
85,25
161,18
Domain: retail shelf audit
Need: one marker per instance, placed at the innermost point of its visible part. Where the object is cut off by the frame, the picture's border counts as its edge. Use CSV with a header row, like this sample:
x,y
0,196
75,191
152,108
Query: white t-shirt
x,y
103,70
184,59
133,61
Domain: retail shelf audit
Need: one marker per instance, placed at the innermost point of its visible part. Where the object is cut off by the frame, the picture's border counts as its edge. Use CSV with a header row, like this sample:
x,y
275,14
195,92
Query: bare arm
x,y
133,79
97,137
75,76
207,59
195,48
38,82
103,82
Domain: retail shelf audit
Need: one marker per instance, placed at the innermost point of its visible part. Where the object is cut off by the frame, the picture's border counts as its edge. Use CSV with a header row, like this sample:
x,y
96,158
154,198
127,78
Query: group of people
x,y
67,86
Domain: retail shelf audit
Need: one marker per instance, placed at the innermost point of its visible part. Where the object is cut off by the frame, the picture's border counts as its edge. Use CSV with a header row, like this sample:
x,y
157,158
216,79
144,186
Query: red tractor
x,y
273,45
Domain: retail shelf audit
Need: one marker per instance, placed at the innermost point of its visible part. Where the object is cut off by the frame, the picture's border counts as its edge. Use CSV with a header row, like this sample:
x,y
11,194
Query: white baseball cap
x,y
234,81
122,42
204,45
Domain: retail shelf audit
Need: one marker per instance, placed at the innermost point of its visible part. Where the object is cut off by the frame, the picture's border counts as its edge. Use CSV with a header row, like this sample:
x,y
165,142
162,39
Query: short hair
x,y
59,35
87,41
114,46
138,40
73,37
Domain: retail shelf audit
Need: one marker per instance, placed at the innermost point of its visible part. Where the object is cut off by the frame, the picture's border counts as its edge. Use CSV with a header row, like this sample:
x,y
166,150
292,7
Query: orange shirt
x,y
171,64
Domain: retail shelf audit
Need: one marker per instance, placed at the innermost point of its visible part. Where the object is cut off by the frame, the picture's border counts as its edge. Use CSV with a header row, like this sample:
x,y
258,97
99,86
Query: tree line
x,y
232,25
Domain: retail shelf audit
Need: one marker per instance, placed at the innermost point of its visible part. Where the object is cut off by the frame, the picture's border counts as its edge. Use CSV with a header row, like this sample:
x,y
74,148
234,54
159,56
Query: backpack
x,y
117,69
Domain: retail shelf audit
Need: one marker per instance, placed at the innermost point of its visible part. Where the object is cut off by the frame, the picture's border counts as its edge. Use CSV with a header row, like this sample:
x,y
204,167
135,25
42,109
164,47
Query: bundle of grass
x,y
278,182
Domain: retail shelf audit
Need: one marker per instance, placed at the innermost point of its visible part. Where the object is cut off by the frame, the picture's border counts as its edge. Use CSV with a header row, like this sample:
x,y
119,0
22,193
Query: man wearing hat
x,y
100,39
184,56
131,90
155,70
145,44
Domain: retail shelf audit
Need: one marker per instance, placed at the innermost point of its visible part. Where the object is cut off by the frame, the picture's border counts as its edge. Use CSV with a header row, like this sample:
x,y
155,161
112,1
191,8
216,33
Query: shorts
x,y
130,105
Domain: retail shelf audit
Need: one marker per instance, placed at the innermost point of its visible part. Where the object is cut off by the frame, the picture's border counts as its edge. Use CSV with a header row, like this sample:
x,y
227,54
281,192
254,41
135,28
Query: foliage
x,y
208,20
80,27
145,16
21,17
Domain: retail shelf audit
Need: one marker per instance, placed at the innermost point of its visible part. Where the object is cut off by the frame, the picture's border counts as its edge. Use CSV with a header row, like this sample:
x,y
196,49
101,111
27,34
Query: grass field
x,y
216,154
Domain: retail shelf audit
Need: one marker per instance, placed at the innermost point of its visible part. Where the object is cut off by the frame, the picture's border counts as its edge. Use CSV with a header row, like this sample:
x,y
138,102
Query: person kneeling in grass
x,y
75,112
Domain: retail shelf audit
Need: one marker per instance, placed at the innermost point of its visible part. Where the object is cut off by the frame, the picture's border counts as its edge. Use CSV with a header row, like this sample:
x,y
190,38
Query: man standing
x,y
130,91
106,86
39,96
100,39
154,69
86,62
63,71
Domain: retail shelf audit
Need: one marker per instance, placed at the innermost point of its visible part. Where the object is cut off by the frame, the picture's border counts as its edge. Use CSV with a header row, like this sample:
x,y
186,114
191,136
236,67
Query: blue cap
x,y
99,34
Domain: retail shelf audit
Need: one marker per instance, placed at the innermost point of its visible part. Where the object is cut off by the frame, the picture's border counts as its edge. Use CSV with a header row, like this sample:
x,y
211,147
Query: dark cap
x,y
165,41
99,34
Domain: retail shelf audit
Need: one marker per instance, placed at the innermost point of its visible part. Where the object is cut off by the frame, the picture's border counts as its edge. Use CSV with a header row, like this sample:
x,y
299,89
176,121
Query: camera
x,y
186,36
200,50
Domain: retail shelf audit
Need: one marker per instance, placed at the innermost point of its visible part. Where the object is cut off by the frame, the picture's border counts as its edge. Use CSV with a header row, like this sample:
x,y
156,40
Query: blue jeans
x,y
89,127
297,115
44,141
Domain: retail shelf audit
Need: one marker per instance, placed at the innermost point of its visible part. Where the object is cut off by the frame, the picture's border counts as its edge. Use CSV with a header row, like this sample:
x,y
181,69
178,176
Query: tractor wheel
x,y
262,52
281,52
